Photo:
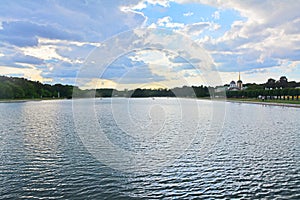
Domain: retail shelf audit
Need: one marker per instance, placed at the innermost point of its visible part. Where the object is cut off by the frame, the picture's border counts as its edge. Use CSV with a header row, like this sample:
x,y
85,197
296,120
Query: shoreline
x,y
264,103
17,100
226,100
24,100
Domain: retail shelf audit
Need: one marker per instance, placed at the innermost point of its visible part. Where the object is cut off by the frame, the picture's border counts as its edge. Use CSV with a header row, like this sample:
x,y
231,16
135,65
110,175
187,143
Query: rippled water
x,y
44,156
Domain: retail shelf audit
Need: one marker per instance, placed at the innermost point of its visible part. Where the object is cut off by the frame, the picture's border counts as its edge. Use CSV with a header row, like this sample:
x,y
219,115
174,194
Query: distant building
x,y
240,82
236,86
232,85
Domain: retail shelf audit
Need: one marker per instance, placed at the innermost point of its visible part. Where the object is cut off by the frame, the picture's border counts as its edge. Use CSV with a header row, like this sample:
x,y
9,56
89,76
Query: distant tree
x,y
297,93
16,88
292,84
270,83
278,93
282,83
5,91
292,93
254,86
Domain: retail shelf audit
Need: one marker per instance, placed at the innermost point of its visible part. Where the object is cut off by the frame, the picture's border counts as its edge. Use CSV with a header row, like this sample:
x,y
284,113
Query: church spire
x,y
239,82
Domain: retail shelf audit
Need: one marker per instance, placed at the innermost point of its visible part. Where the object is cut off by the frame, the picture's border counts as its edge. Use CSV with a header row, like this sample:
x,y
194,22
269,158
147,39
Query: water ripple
x,y
256,157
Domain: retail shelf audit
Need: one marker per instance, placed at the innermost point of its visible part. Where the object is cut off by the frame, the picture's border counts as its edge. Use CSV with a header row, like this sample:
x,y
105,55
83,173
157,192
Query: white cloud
x,y
153,25
157,61
98,83
47,41
164,3
139,6
193,29
188,14
136,7
167,22
216,15
30,72
196,28
268,34
45,52
163,21
57,50
60,32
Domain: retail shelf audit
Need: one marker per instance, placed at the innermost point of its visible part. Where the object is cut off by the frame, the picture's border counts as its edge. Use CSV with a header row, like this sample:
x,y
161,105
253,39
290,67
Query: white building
x,y
236,86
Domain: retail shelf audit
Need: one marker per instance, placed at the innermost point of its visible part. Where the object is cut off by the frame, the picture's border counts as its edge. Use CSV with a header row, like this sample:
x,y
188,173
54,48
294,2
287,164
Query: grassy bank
x,y
266,101
25,100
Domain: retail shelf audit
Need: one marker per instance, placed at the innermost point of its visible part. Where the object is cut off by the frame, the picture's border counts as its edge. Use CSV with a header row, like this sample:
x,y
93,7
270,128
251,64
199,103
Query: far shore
x,y
231,100
26,100
260,102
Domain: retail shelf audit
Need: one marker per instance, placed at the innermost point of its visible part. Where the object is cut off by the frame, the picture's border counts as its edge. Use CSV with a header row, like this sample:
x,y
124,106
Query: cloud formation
x,y
268,35
51,40
58,34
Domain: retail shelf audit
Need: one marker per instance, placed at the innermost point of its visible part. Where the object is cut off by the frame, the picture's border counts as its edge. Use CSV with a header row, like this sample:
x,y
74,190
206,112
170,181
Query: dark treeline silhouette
x,y
21,88
184,91
285,94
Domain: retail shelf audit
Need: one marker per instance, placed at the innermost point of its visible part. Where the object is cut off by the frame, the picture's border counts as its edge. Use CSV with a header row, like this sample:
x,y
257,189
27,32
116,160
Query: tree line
x,y
284,94
272,89
21,88
185,91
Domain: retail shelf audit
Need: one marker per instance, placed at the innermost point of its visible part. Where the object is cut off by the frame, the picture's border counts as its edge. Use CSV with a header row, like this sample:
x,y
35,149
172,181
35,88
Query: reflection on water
x,y
124,135
41,156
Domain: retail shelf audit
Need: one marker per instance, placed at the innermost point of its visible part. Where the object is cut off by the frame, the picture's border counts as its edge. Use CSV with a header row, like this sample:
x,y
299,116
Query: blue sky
x,y
51,41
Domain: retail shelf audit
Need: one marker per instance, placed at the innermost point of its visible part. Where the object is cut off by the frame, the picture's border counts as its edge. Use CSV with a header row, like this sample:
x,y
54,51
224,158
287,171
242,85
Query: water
x,y
256,155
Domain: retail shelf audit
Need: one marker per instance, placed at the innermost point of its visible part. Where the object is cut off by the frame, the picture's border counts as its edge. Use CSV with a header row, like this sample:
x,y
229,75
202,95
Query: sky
x,y
149,43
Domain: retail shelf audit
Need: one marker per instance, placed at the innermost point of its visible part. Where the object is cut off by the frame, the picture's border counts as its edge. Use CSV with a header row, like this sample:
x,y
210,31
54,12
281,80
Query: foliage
x,y
285,93
184,91
272,89
20,88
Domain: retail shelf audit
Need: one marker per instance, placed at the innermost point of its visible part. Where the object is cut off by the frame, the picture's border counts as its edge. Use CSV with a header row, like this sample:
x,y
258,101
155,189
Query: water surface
x,y
256,155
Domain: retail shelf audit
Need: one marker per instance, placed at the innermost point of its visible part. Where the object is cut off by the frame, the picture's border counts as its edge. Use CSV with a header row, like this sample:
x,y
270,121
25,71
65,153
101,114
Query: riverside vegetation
x,y
21,88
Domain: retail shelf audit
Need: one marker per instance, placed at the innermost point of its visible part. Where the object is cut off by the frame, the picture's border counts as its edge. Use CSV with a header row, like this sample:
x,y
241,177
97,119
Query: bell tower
x,y
240,82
